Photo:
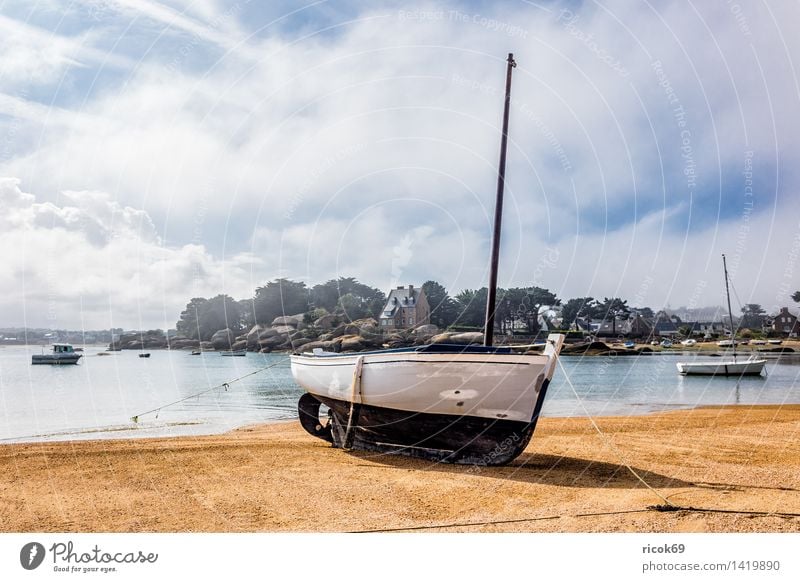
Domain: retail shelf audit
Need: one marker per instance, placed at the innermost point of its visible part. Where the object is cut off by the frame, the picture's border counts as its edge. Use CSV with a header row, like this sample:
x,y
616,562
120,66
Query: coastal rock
x,y
293,320
271,342
267,333
222,339
427,329
327,322
470,337
441,338
252,336
284,329
206,346
183,344
300,342
351,344
338,332
240,345
311,346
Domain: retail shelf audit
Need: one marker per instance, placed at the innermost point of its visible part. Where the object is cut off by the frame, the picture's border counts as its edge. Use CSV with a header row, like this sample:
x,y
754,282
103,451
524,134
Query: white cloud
x,y
320,154
95,263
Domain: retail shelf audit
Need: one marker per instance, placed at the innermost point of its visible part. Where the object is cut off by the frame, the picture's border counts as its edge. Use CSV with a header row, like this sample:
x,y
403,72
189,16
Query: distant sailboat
x,y
752,366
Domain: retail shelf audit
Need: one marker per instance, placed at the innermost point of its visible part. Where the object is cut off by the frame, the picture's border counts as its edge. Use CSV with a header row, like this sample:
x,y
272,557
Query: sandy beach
x,y
739,465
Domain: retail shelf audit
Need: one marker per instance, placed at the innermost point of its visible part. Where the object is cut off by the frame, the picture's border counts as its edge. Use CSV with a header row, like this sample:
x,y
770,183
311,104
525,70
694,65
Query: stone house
x,y
405,307
785,323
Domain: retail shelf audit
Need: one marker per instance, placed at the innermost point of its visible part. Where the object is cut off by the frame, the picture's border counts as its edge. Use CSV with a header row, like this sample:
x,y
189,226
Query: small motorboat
x,y
145,355
234,353
195,353
689,342
629,345
61,354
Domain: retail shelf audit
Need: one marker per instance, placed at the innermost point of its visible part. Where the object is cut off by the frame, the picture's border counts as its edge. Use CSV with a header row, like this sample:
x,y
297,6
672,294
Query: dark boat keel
x,y
445,438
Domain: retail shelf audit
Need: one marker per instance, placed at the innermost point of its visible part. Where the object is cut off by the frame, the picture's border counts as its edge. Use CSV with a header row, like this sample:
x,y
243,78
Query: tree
x,y
796,296
575,308
202,317
471,306
278,297
328,295
753,316
189,321
443,309
613,307
535,298
646,312
352,307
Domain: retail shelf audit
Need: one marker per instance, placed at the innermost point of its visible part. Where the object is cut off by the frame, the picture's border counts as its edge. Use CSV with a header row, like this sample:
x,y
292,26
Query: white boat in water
x,y
452,403
239,353
467,404
61,354
751,366
727,365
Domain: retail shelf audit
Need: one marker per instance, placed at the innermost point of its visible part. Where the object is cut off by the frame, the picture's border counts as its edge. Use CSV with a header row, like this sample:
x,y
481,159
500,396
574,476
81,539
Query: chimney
x,y
411,289
401,287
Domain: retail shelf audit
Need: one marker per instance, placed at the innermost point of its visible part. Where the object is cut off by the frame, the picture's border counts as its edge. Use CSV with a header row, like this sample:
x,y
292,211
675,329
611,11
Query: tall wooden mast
x,y
498,212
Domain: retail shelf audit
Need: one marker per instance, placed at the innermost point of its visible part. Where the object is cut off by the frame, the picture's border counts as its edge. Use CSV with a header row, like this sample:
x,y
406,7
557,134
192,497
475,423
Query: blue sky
x,y
181,148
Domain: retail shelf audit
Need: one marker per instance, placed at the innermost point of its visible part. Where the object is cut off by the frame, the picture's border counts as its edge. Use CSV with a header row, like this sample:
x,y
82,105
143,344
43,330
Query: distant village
x,y
285,315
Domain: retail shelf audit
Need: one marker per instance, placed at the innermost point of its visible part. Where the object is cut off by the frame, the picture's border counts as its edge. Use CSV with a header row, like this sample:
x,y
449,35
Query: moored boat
x,y
752,366
61,354
729,366
233,353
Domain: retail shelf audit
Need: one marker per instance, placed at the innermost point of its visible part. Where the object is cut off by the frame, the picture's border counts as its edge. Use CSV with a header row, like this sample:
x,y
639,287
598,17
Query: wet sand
x,y
742,462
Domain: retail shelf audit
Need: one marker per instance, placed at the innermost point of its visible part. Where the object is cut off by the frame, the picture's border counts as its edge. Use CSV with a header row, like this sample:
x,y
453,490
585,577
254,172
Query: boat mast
x,y
488,336
730,312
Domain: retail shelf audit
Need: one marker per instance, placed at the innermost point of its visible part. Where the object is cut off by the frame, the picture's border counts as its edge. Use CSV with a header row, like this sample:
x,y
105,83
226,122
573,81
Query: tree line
x,y
516,309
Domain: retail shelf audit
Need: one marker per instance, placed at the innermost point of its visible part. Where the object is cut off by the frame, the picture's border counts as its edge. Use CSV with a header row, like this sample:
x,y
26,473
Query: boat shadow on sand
x,y
541,469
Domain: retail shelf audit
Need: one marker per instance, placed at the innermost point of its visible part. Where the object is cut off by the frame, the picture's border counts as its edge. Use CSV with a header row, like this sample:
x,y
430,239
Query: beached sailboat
x,y
727,366
453,403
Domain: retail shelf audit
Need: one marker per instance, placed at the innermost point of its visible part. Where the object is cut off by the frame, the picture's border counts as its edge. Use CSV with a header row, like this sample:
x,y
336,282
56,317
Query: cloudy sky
x,y
151,151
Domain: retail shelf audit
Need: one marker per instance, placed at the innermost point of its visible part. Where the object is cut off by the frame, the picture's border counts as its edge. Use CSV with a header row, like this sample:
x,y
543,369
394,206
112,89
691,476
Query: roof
x,y
400,297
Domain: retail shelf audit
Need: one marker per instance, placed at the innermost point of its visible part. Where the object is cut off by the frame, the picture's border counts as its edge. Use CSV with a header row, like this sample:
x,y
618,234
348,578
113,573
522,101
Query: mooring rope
x,y
608,441
226,385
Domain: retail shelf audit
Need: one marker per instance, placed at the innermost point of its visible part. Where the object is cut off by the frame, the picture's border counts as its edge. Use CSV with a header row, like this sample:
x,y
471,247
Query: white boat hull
x,y
455,404
750,367
484,385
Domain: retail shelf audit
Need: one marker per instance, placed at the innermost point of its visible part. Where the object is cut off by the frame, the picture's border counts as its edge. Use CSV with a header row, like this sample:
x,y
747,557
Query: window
x,y
410,321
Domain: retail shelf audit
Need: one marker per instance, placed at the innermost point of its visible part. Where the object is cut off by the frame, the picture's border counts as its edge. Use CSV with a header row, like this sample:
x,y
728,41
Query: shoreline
x,y
277,478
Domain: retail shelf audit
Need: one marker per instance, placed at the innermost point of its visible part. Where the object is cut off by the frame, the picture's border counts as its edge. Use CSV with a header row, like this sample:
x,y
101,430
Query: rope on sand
x,y
224,385
650,508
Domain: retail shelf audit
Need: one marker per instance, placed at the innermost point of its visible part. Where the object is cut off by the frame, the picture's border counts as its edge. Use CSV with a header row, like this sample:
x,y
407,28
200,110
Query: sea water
x,y
98,397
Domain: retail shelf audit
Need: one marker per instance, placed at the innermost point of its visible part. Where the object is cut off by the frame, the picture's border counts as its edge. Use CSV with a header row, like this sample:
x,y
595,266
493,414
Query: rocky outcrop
x,y
296,321
183,344
464,338
327,322
223,339
426,330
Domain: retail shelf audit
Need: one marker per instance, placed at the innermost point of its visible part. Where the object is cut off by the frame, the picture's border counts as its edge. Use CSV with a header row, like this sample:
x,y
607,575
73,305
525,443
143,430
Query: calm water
x,y
98,397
